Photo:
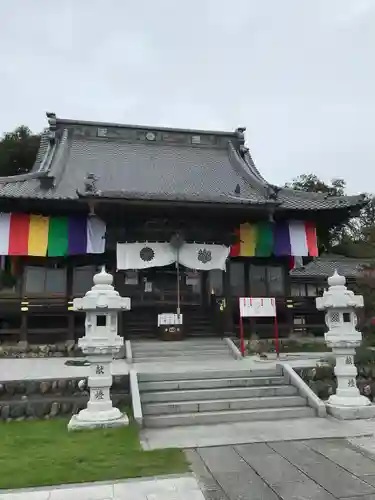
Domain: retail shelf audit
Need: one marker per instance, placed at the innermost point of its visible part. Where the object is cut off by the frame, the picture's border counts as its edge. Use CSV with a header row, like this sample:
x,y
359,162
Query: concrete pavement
x,y
295,470
165,488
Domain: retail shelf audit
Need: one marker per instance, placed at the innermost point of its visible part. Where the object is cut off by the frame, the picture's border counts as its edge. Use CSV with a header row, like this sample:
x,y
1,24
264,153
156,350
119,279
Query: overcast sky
x,y
299,74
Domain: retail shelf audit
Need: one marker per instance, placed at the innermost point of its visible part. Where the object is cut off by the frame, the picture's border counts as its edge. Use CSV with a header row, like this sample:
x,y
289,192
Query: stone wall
x,y
44,399
24,350
60,350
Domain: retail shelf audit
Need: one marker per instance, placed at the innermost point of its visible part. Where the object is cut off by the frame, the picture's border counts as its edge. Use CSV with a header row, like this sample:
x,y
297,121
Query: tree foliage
x,y
18,151
312,184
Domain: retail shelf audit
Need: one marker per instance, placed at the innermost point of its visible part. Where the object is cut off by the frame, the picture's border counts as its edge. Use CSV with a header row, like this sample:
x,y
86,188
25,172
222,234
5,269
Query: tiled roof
x,y
136,171
326,266
292,199
133,162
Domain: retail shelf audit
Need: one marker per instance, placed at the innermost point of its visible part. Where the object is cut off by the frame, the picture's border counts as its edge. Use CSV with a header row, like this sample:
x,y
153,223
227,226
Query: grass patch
x,y
43,453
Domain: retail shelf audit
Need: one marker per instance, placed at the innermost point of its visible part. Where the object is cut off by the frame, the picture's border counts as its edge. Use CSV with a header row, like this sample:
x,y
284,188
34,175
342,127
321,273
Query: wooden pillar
x,y
248,293
204,289
289,303
71,327
228,311
24,303
70,337
119,284
290,316
23,328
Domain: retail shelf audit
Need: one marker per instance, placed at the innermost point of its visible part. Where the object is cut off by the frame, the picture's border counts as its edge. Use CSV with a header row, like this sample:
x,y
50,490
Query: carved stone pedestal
x,y
99,412
343,338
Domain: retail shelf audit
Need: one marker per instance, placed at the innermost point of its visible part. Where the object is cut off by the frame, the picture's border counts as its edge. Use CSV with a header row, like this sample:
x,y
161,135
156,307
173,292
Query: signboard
x,y
169,319
257,307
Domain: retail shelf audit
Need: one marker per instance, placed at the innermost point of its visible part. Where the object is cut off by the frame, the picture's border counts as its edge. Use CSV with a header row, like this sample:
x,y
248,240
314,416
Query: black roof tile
x,y
325,266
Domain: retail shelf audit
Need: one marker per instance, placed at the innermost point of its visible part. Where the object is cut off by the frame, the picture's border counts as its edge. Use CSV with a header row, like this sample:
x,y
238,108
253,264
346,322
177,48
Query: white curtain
x,y
298,241
204,257
96,229
144,255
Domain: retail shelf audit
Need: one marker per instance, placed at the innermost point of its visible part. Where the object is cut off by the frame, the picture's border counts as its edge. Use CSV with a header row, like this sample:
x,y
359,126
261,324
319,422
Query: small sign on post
x,y
258,307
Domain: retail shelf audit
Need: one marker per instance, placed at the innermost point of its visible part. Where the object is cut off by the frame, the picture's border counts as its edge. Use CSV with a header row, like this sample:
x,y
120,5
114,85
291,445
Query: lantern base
x,y
98,420
359,408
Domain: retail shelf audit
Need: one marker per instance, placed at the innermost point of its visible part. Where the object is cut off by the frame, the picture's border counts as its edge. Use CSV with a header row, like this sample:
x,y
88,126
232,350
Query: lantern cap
x,y
103,278
336,279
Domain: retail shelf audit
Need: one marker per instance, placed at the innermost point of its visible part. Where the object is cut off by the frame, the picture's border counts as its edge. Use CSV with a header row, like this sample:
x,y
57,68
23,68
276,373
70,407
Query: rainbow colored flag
x,y
263,239
36,235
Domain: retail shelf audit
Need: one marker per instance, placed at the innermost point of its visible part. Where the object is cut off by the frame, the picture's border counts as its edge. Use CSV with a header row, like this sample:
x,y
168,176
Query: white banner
x,y
190,255
144,255
254,307
204,257
96,229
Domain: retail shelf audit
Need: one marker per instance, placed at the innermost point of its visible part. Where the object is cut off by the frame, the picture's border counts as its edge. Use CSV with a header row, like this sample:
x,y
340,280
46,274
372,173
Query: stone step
x,y
179,354
209,383
222,404
182,349
222,393
192,375
179,359
178,345
216,417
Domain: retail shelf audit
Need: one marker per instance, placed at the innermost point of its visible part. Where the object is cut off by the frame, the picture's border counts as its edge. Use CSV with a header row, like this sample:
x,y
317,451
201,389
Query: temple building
x,y
182,218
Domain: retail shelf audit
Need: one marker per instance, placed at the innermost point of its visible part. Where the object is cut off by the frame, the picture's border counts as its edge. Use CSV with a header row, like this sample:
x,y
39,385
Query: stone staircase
x,y
142,322
212,397
190,350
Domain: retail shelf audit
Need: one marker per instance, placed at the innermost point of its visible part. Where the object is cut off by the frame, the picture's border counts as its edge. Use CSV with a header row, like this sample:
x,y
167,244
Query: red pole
x,y
242,341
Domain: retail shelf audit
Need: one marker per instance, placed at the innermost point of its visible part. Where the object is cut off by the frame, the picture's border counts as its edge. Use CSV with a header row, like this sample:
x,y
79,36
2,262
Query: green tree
x,y
18,151
312,184
358,238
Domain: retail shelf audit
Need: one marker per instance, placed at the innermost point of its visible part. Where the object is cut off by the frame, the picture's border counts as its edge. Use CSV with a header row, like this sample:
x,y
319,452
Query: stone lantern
x,y
342,336
100,343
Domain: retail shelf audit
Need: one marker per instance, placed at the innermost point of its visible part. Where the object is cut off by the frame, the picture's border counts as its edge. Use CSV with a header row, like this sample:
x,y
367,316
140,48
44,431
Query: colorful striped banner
x,y
247,240
263,239
39,236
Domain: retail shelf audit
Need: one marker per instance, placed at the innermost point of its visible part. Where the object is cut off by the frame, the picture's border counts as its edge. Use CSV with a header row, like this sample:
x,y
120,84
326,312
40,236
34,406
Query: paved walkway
x,y
46,368
255,432
296,470
171,488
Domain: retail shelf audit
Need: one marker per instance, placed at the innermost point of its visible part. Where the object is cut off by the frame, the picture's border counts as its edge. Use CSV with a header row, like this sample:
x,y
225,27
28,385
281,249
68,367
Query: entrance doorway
x,y
158,285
